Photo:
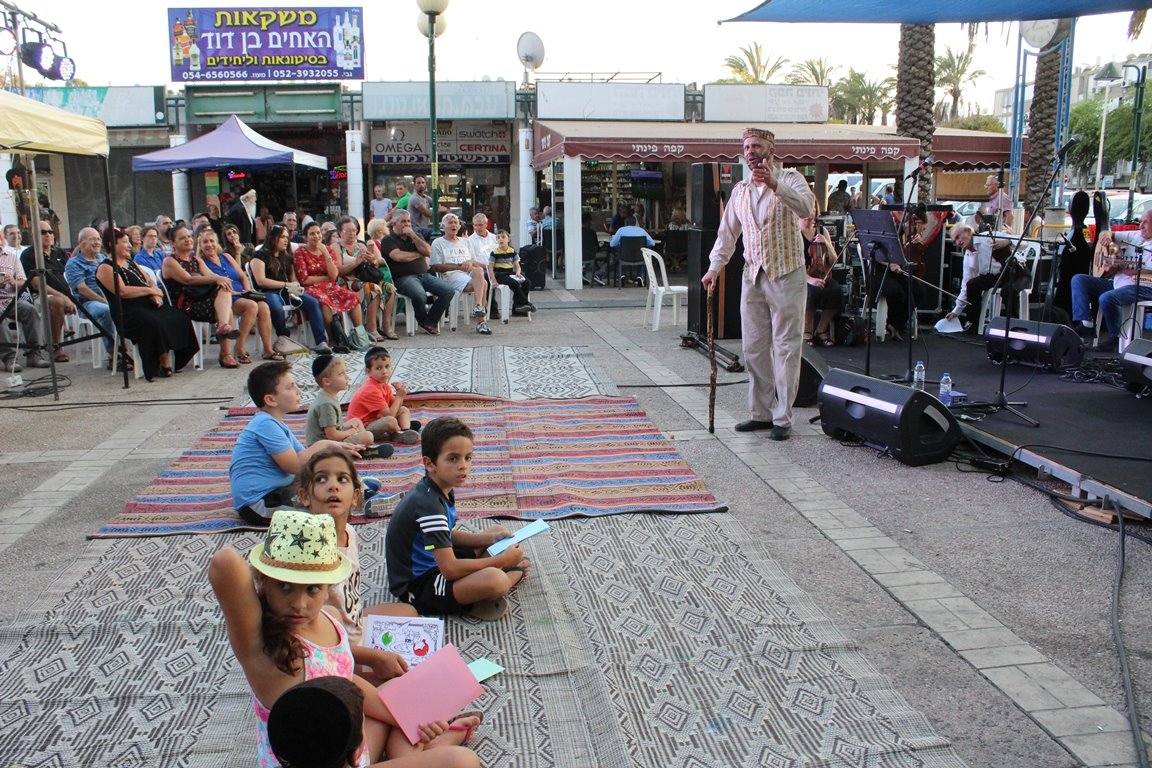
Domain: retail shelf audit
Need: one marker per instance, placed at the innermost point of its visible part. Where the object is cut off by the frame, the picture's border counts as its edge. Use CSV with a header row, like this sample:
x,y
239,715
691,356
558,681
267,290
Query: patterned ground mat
x,y
532,459
514,373
635,642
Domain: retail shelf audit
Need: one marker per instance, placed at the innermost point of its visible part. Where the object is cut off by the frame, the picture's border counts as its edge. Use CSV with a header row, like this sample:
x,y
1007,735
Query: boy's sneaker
x,y
376,451
478,311
414,425
483,329
406,437
371,486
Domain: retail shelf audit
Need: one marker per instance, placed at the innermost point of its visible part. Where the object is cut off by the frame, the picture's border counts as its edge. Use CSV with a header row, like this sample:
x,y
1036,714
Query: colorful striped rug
x,y
532,459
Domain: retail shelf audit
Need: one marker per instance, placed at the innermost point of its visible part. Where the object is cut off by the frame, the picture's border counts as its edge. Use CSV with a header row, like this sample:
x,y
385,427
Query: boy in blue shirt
x,y
435,568
267,455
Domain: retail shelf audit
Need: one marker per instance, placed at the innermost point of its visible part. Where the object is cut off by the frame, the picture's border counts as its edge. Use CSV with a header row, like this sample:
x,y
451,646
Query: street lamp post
x,y
1103,127
432,24
1112,72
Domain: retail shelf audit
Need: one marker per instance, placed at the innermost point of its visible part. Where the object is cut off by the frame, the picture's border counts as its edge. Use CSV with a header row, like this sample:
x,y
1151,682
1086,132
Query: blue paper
x,y
527,532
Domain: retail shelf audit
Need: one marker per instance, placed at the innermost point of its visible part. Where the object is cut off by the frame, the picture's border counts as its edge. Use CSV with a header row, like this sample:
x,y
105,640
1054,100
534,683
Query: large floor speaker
x,y
711,187
910,424
813,369
726,316
534,265
1031,342
1136,364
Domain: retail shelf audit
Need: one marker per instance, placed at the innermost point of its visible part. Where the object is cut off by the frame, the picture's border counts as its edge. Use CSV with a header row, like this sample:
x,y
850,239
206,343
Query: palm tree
x,y
953,72
915,86
812,72
752,67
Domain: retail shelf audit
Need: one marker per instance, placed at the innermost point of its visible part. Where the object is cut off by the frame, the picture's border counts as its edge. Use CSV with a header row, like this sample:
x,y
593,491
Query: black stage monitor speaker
x,y
813,369
1045,345
534,264
911,425
1136,364
726,317
711,186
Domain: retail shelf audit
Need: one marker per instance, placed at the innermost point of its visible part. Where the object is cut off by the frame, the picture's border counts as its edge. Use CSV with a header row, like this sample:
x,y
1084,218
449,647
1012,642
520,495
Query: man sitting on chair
x,y
452,260
1117,287
629,230
984,257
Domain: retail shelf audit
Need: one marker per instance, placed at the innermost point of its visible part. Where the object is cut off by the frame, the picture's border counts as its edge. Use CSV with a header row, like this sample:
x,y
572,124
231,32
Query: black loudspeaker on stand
x,y
534,264
1045,345
726,321
910,424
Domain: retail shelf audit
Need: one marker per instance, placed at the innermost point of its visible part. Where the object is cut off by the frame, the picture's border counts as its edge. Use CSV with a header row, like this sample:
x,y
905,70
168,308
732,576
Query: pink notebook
x,y
437,689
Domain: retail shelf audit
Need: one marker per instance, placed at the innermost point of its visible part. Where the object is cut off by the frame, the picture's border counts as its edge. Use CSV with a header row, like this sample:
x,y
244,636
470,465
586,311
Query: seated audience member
x,y
159,331
504,269
407,254
200,294
241,253
15,309
80,272
60,301
452,260
361,262
630,229
318,272
377,230
150,255
250,311
268,456
274,272
1117,287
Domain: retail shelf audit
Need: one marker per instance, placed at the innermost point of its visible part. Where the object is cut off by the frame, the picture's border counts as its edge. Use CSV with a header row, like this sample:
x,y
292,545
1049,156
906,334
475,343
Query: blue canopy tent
x,y
234,143
887,12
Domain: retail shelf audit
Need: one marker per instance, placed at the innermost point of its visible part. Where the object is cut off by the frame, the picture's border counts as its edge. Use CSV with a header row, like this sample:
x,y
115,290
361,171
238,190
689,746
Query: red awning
x,y
796,143
955,149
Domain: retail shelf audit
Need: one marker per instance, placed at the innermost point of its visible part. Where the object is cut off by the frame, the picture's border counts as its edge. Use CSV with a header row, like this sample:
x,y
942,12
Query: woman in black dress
x,y
158,330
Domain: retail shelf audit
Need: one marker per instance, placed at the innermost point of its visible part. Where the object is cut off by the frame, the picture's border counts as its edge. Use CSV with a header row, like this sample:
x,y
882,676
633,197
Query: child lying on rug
x,y
273,610
324,418
380,404
320,724
436,568
267,455
330,485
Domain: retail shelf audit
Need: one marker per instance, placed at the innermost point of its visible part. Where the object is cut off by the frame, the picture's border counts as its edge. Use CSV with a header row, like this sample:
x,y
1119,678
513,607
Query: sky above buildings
x,y
125,42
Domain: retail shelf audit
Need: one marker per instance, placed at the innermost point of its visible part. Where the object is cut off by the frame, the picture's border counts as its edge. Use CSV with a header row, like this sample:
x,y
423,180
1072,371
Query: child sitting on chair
x,y
504,268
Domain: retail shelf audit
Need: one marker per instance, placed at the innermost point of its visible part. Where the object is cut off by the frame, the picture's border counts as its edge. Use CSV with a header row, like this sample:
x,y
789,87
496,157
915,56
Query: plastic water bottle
x,y
946,389
918,374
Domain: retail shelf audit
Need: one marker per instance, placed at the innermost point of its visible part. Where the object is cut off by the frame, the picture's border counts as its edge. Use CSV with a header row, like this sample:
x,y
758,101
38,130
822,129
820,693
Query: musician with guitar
x,y
824,293
1114,280
984,258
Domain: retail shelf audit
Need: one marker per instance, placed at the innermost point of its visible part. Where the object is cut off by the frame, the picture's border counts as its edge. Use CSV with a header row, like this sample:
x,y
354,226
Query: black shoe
x,y
752,425
781,433
1112,345
414,425
598,280
1084,331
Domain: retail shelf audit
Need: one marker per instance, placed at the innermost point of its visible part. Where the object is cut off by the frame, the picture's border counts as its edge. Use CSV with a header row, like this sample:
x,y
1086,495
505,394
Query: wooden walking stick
x,y
711,366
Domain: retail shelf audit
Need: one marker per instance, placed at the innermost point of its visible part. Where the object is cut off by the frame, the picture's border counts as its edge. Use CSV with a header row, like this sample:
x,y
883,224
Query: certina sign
x,y
459,142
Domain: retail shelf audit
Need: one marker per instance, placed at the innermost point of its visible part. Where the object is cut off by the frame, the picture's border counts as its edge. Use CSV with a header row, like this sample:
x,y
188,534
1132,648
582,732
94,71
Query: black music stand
x,y
879,243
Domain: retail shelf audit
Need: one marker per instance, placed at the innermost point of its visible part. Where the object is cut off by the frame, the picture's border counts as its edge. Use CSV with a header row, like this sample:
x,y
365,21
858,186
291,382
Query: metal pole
x,y
432,124
1103,127
1138,109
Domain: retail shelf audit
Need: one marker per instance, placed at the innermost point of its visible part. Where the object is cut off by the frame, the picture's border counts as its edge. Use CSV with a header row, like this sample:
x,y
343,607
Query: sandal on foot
x,y
489,610
226,331
467,730
390,336
244,358
522,569
166,373
228,361
823,340
60,356
269,356
808,340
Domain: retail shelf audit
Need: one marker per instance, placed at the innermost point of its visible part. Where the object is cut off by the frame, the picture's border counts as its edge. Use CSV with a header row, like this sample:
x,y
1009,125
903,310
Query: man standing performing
x,y
767,209
243,215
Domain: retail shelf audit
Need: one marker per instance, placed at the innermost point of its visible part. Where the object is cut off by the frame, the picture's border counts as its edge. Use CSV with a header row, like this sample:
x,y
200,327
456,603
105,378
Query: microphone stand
x,y
910,302
999,401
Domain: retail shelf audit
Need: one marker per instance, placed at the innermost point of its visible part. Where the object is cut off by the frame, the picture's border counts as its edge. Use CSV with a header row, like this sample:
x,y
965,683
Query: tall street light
x,y
1110,73
1103,127
432,24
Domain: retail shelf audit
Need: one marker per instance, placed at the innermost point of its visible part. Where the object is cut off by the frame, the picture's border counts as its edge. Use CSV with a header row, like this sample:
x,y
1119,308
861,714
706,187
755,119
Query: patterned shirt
x,y
770,223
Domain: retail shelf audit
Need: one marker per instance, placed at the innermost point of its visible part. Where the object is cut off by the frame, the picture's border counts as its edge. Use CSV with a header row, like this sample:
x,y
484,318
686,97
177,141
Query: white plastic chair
x,y
659,288
991,304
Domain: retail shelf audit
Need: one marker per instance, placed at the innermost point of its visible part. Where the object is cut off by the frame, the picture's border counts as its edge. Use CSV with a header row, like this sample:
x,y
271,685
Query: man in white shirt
x,y
982,270
1117,287
453,261
482,240
380,204
767,209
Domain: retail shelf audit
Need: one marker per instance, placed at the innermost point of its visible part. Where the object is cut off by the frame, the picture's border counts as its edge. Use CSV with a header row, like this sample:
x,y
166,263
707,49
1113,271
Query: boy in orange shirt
x,y
380,405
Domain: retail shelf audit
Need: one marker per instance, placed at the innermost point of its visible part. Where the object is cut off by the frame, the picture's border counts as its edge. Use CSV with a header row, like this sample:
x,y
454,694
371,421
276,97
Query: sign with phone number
x,y
240,44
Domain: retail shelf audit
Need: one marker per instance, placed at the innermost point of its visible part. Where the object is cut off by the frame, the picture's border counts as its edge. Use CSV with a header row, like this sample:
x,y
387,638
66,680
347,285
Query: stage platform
x,y
1093,433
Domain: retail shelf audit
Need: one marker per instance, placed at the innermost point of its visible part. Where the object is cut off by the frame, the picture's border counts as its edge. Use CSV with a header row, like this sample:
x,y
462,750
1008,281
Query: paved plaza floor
x,y
984,607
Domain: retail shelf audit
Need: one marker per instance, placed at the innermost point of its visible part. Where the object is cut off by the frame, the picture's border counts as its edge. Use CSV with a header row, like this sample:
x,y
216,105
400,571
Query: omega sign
x,y
456,142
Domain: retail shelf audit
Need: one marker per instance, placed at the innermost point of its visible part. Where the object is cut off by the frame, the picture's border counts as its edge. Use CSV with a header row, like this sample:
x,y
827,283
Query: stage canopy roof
x,y
887,12
27,125
796,143
232,144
